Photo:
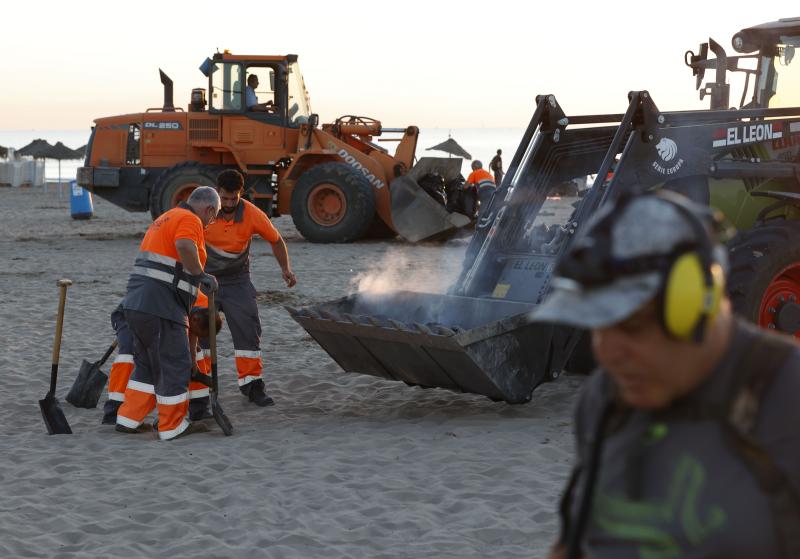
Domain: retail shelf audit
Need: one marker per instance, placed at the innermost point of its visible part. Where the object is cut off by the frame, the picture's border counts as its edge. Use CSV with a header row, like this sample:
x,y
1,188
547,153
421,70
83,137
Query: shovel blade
x,y
53,415
88,386
220,417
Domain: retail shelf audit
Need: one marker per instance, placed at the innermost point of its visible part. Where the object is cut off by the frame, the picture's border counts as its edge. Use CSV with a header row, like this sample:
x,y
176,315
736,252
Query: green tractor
x,y
744,161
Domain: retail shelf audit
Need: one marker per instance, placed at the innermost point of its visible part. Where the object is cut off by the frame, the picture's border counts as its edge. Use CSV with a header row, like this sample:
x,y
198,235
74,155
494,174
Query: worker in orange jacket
x,y
164,284
228,246
481,180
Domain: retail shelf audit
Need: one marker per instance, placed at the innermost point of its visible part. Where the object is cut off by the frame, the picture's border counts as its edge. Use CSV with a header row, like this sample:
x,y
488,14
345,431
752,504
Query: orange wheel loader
x,y
335,181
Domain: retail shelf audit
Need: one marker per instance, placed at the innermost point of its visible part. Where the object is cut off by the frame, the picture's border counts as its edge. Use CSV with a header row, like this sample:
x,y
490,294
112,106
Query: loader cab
x,y
276,80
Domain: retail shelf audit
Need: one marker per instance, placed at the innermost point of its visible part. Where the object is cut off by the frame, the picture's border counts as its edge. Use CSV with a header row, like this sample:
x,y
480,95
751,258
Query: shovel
x,y
216,410
51,410
89,384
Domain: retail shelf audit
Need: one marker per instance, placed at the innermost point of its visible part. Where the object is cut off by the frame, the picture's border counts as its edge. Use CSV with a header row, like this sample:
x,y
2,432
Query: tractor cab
x,y
767,55
268,89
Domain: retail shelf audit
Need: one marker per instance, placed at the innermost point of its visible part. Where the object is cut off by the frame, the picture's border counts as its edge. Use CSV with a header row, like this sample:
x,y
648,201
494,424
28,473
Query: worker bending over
x,y
227,243
162,288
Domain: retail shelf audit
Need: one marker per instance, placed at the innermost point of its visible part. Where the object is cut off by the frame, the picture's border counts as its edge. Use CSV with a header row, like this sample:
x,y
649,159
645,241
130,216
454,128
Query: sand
x,y
343,465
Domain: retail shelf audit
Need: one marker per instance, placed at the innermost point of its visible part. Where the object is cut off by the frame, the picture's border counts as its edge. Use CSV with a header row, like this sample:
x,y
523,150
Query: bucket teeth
x,y
422,328
330,316
398,325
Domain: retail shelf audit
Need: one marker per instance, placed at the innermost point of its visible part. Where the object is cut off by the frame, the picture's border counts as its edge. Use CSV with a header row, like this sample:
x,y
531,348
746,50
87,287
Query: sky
x,y
434,64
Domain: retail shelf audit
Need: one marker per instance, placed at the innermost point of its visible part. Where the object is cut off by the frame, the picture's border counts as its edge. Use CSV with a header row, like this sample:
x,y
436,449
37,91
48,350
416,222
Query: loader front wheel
x,y
177,183
331,203
764,279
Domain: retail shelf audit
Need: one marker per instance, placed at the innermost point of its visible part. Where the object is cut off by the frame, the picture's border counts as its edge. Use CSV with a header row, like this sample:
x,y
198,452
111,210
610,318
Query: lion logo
x,y
667,149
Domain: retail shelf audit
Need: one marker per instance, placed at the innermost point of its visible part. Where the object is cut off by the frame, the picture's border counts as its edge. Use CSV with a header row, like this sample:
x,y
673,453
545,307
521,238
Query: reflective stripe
x,y
165,277
159,258
247,353
167,435
224,253
124,358
116,396
486,184
172,400
141,387
207,352
198,393
127,422
248,380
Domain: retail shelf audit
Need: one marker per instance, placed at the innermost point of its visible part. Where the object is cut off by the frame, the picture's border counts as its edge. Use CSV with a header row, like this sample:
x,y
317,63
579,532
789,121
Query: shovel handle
x,y
108,353
62,301
212,336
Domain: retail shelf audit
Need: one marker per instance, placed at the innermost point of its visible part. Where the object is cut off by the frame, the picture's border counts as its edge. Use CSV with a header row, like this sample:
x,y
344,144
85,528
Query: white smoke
x,y
401,269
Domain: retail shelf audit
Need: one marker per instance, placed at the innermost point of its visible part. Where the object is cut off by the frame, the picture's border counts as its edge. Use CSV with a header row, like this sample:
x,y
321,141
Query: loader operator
x,y
481,180
688,435
228,246
251,99
164,283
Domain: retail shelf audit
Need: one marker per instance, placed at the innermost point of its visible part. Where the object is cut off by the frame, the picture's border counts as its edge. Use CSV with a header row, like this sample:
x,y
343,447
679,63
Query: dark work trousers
x,y
498,178
162,367
236,299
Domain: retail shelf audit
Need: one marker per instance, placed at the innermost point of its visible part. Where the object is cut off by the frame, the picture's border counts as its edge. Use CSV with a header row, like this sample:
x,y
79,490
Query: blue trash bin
x,y
80,202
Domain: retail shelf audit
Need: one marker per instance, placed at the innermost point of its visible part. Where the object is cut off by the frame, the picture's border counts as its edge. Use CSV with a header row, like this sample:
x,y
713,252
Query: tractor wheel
x,y
331,203
177,183
764,279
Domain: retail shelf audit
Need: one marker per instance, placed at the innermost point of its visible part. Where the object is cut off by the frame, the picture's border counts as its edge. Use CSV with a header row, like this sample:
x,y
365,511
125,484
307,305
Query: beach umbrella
x,y
37,149
59,152
81,151
451,146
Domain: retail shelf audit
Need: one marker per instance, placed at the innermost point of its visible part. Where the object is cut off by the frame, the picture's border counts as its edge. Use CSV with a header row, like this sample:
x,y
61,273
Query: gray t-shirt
x,y
673,488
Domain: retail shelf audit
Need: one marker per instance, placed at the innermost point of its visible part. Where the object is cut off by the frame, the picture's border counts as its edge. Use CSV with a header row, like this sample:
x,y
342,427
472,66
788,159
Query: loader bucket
x,y
462,344
415,215
479,337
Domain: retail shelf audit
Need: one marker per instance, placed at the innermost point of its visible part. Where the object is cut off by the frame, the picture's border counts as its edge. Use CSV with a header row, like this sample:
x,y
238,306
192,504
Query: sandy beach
x,y
343,465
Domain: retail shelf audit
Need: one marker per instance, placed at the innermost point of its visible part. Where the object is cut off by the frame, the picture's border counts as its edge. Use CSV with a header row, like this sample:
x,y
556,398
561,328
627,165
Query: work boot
x,y
254,391
198,409
192,429
110,409
143,428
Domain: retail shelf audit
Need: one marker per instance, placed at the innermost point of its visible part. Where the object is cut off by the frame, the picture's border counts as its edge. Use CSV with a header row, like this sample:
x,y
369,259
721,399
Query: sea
x,y
481,143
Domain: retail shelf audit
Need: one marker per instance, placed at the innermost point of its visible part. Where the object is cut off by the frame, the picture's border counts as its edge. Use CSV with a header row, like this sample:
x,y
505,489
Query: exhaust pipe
x,y
168,106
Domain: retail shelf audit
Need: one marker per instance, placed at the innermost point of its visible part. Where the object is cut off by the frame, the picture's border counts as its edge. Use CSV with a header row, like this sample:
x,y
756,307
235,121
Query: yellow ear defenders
x,y
692,280
693,284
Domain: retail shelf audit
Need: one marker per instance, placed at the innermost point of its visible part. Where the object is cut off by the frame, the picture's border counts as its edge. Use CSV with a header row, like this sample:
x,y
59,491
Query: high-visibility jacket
x,y
228,242
481,179
158,285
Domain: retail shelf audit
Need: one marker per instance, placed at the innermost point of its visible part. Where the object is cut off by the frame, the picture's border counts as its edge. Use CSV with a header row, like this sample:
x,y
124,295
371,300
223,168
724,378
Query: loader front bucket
x,y
415,215
463,344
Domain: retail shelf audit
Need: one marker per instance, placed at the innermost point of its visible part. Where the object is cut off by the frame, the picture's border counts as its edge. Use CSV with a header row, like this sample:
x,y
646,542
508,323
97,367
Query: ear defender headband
x,y
692,281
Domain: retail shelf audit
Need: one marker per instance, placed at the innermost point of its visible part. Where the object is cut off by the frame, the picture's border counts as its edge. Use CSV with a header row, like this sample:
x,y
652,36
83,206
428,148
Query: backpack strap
x,y
762,362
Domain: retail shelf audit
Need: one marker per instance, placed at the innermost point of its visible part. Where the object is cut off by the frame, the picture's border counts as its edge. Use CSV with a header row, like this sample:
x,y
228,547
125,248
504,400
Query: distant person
x,y
688,435
496,165
251,99
482,182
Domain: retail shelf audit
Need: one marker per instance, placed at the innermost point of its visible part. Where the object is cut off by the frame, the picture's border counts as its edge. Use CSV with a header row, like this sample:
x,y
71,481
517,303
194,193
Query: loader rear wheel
x,y
764,280
177,183
331,203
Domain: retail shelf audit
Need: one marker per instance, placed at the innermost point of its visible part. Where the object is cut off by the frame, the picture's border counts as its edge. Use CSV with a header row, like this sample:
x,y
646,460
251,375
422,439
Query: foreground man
x,y
688,435
228,246
483,184
162,288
